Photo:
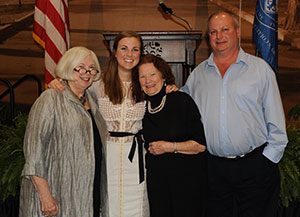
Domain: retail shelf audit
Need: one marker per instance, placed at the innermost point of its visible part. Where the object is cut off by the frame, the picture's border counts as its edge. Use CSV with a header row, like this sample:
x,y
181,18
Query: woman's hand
x,y
49,206
160,147
171,88
56,84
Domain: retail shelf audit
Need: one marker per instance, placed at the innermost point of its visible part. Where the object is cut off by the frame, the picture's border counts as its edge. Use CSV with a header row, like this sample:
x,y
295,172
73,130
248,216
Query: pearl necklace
x,y
158,108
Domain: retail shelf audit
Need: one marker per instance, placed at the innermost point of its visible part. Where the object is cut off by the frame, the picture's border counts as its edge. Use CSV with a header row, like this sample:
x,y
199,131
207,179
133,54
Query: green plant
x,y
289,165
11,156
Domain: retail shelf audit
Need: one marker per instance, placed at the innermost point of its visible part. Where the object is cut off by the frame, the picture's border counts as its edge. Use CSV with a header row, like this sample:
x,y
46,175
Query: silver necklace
x,y
158,108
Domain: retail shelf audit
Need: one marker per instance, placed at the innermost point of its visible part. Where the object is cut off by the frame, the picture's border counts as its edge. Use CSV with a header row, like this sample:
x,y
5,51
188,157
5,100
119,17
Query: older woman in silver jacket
x,y
64,145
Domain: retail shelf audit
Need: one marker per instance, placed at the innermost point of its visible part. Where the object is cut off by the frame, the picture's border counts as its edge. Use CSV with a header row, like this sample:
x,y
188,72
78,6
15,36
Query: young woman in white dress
x,y
123,109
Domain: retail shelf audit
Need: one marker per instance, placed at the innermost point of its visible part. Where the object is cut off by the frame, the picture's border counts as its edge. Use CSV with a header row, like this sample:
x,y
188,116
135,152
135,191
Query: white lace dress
x,y
127,198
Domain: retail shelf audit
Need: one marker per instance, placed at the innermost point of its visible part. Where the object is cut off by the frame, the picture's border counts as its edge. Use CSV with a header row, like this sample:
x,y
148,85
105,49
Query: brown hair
x,y
160,64
112,82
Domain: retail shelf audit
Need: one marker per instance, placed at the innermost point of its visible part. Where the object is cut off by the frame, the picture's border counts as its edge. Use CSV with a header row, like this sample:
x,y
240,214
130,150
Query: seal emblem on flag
x,y
265,29
270,7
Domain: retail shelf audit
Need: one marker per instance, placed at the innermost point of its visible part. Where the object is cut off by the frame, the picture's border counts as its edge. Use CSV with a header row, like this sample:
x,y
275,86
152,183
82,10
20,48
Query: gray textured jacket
x,y
59,147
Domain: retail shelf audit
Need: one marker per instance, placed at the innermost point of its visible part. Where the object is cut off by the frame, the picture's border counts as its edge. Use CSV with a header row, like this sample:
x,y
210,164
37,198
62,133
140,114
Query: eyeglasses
x,y
83,71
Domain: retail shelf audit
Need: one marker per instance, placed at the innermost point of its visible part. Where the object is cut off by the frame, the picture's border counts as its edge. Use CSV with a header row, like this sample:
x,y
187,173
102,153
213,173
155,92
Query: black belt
x,y
249,154
137,137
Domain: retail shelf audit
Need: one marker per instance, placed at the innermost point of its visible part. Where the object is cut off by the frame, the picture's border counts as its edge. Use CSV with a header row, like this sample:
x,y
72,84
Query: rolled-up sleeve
x,y
37,136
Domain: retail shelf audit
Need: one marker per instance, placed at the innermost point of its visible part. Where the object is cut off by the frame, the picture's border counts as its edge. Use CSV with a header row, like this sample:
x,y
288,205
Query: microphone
x,y
170,11
164,7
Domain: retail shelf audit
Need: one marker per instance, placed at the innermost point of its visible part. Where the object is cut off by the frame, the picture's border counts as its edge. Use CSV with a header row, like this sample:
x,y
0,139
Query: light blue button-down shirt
x,y
242,110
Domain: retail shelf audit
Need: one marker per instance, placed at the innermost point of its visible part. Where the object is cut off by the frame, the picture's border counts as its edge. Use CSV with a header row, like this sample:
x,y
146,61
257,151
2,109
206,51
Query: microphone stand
x,y
183,21
170,11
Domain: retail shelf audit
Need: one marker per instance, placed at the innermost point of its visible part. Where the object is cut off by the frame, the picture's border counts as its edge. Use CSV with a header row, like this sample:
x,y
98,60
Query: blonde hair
x,y
68,62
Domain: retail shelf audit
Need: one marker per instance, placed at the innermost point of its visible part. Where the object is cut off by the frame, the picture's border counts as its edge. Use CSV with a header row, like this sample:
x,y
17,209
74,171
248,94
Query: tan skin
x,y
186,147
128,56
80,83
224,40
151,81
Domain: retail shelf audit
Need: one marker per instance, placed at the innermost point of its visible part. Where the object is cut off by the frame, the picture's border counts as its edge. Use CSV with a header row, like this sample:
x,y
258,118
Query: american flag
x,y
51,31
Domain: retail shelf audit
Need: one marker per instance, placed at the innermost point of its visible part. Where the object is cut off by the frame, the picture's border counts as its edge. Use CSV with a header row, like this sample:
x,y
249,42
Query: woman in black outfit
x,y
175,142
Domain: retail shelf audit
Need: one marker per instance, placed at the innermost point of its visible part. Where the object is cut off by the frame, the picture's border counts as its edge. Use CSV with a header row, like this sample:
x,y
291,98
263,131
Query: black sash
x,y
137,137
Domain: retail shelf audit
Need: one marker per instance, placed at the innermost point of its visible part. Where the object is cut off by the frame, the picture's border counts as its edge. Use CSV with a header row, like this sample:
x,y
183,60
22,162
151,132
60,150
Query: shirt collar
x,y
241,58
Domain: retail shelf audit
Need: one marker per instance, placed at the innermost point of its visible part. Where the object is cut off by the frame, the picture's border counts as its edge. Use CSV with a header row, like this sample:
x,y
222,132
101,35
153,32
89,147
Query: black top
x,y
178,121
98,158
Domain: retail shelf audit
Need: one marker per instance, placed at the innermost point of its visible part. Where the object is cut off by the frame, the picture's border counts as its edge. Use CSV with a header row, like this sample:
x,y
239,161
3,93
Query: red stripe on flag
x,y
48,76
40,31
52,50
42,5
56,20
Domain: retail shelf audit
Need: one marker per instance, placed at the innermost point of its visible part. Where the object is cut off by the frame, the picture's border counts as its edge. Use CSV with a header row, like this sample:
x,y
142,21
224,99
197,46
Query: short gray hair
x,y
67,63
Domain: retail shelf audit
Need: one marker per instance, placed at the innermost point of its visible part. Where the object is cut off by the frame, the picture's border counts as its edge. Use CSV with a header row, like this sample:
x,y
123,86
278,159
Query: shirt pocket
x,y
247,97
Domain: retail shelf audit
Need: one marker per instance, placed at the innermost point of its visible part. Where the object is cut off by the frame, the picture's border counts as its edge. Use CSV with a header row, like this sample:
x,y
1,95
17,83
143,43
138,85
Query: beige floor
x,y
19,55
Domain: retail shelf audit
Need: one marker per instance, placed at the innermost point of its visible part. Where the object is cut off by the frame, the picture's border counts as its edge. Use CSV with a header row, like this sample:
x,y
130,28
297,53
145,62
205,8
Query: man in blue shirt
x,y
242,113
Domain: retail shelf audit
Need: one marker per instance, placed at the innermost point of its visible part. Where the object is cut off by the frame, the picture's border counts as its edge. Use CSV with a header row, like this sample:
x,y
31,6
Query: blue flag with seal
x,y
265,31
